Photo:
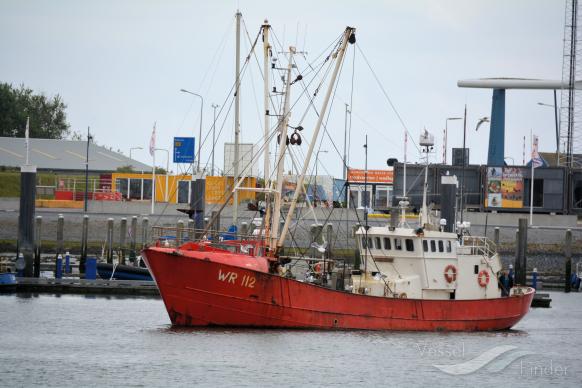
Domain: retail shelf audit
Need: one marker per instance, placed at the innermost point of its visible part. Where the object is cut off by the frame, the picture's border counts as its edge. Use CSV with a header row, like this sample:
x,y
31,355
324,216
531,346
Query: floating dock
x,y
85,286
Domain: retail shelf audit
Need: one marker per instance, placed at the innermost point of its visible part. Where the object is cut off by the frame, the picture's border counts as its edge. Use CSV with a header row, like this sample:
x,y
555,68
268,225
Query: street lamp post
x,y
315,182
555,106
446,136
167,170
214,106
134,148
200,130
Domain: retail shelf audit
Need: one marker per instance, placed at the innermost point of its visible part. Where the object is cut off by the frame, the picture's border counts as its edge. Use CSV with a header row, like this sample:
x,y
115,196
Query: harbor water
x,y
71,341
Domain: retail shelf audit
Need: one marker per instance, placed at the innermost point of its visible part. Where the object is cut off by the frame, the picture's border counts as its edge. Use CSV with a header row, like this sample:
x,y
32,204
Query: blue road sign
x,y
184,150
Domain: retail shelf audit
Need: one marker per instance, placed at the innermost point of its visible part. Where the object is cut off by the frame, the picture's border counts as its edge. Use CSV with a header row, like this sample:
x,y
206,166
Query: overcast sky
x,y
119,66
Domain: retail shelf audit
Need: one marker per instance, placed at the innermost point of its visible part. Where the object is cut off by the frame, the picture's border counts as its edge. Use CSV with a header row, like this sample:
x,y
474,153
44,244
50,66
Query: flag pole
x,y
531,190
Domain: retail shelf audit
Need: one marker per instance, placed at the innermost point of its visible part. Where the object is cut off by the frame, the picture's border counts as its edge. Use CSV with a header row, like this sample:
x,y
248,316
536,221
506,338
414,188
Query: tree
x,y
48,119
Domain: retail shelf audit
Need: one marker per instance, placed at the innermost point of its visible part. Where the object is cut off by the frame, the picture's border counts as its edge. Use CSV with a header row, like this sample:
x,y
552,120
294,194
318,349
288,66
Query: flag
x,y
536,159
153,141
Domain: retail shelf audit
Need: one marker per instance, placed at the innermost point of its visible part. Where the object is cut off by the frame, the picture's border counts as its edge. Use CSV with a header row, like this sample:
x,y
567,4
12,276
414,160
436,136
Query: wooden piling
x,y
84,236
133,241
109,241
179,232
122,235
568,255
190,230
37,246
521,253
60,238
144,232
496,236
60,234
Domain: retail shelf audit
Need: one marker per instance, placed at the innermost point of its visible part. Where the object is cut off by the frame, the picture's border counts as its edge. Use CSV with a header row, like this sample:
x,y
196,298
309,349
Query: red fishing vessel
x,y
420,278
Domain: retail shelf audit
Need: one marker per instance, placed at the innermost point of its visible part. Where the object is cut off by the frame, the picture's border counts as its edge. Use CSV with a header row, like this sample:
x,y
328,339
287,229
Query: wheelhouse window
x,y
425,245
387,244
409,245
449,248
370,244
397,244
432,246
378,243
441,246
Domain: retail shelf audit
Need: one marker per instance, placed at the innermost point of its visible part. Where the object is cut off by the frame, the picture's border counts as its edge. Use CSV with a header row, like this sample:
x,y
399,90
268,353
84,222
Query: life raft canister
x,y
483,278
450,273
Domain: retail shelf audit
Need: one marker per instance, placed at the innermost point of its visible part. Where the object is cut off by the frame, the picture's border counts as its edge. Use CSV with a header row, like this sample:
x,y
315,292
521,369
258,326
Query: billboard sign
x,y
184,150
374,176
505,187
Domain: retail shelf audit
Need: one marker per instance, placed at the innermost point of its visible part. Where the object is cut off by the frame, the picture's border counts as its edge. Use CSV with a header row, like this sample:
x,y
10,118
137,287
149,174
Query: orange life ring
x,y
317,267
450,273
483,278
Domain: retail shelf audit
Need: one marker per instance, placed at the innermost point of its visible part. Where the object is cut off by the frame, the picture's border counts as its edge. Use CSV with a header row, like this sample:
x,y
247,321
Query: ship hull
x,y
203,289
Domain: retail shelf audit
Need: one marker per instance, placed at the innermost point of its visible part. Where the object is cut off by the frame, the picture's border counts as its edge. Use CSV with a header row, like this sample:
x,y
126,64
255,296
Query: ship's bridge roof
x,y
376,231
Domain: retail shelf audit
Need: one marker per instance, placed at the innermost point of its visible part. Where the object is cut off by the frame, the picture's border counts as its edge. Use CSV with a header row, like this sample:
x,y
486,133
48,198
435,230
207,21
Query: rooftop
x,y
63,155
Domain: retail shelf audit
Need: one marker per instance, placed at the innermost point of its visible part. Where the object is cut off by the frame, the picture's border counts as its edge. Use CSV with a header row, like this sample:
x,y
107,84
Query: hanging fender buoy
x,y
450,273
483,278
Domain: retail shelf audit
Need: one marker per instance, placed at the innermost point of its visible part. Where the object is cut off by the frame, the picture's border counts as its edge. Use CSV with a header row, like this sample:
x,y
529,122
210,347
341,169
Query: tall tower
x,y
570,111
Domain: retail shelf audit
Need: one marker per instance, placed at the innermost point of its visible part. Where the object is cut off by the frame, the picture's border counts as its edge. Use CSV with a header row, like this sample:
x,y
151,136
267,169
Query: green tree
x,y
48,119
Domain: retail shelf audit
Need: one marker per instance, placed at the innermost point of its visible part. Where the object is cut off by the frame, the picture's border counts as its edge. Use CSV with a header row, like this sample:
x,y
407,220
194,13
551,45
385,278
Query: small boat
x,y
7,282
122,272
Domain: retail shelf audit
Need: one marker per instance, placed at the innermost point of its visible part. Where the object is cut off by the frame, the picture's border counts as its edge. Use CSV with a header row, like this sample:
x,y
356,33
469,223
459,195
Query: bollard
x,y
144,232
534,279
109,241
133,236
67,263
190,229
37,246
59,267
91,268
496,236
122,234
179,232
25,242
568,255
84,236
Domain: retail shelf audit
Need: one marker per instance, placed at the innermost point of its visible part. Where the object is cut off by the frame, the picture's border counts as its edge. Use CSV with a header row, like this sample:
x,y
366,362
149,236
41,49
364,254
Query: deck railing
x,y
480,246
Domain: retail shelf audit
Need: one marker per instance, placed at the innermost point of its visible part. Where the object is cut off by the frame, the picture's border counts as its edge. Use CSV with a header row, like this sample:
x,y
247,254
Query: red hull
x,y
200,289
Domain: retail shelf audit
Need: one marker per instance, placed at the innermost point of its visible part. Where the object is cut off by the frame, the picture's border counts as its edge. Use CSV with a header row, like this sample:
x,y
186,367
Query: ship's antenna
x,y
366,201
427,144
403,203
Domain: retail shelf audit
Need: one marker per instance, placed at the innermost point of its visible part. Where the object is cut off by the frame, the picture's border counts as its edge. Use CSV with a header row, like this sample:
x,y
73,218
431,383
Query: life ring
x,y
450,273
317,267
483,278
403,295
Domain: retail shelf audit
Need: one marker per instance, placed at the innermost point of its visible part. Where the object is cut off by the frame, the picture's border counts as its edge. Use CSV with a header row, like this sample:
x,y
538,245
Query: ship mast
x,y
267,129
349,35
236,120
283,120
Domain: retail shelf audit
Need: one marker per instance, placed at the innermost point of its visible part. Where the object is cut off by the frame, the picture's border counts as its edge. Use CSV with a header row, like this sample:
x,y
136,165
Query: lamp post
x,y
214,106
167,170
446,136
134,148
315,183
200,130
555,106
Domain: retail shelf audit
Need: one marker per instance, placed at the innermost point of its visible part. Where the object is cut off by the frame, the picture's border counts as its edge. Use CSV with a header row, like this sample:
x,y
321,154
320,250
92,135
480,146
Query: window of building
x,y
409,245
538,192
147,189
398,244
387,244
135,188
441,246
432,246
183,191
425,245
121,186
